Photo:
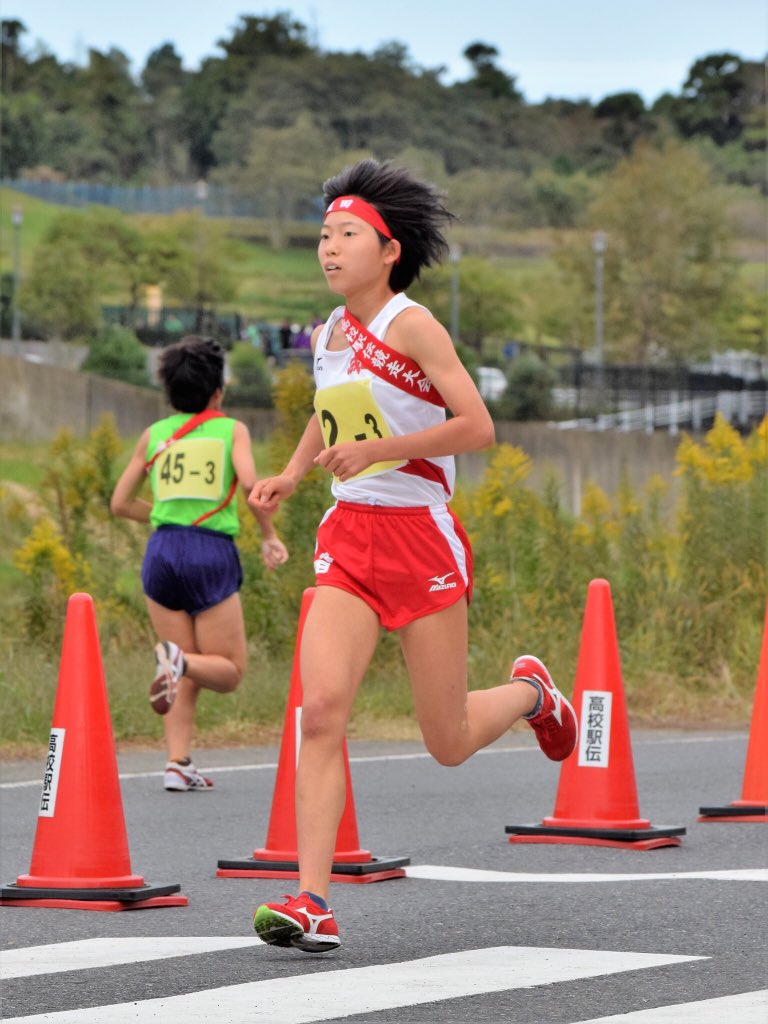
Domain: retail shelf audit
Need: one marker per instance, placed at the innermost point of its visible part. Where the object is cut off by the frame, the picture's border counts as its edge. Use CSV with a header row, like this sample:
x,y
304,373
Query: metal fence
x,y
165,325
743,409
648,397
214,200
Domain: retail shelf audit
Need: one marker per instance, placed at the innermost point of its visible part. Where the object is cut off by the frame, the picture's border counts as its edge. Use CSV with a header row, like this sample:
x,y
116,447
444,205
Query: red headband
x,y
359,208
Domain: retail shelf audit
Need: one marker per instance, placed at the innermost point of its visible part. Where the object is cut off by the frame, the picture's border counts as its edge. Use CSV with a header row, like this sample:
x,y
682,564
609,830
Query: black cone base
x,y
129,895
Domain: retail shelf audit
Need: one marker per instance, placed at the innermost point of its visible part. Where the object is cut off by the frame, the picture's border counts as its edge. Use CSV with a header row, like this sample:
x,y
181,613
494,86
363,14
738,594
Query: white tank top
x,y
355,404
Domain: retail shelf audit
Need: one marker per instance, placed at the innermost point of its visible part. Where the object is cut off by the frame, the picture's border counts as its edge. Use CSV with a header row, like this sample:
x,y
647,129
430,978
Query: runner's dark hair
x,y
190,371
413,211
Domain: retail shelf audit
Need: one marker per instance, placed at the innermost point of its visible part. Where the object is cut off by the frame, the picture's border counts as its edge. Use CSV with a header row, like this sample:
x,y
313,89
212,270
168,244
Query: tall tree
x,y
285,167
257,37
163,70
11,58
624,119
487,76
478,292
110,110
668,272
164,79
192,257
221,80
719,94
108,244
59,296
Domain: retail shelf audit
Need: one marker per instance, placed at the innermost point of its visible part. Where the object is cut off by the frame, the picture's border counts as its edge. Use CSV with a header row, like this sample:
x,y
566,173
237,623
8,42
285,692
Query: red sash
x,y
371,353
186,428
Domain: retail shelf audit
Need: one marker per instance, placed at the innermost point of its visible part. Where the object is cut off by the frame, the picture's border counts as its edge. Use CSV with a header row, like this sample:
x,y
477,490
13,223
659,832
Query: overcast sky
x,y
553,47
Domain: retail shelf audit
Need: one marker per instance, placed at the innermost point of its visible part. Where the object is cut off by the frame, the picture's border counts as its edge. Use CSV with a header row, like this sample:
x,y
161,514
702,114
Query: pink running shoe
x,y
299,922
169,668
555,723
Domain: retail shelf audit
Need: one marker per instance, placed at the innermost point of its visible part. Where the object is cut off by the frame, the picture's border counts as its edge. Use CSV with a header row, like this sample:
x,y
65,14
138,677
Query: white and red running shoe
x,y
181,778
299,922
555,722
169,668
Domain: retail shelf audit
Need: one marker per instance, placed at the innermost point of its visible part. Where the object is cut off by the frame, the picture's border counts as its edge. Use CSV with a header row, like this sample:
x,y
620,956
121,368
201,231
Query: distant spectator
x,y
252,335
285,334
267,342
303,338
172,324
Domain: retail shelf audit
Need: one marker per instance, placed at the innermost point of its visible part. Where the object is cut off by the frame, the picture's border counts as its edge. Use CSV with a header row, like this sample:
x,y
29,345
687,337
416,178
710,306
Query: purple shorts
x,y
190,569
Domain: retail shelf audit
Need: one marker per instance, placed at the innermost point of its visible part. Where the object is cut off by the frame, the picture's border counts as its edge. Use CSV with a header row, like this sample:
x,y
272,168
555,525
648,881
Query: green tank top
x,y
193,475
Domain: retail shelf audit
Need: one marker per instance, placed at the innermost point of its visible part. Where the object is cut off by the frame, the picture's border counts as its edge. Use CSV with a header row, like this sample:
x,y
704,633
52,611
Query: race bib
x,y
348,412
191,468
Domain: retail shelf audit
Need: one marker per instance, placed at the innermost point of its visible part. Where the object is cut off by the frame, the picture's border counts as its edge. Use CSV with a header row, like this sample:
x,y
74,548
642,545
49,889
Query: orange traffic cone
x,y
279,858
753,805
80,857
596,802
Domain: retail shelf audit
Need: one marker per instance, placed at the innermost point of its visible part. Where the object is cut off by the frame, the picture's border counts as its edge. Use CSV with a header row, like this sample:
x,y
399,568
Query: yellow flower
x,y
44,550
723,458
507,468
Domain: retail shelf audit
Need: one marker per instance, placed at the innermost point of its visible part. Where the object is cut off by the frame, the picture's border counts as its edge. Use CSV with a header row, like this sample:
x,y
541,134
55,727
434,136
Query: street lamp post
x,y
201,195
454,255
599,245
17,219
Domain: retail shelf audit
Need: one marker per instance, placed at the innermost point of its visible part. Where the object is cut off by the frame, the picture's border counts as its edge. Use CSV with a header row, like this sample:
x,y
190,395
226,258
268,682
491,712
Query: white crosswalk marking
x,y
89,953
745,1008
440,873
342,993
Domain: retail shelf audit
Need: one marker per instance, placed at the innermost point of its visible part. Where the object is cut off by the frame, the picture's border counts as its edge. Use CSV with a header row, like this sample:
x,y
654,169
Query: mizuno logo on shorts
x,y
438,582
323,563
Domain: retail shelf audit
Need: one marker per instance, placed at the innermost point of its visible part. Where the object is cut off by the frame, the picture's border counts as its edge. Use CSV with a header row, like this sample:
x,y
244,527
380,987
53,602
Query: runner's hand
x,y
347,459
269,492
274,552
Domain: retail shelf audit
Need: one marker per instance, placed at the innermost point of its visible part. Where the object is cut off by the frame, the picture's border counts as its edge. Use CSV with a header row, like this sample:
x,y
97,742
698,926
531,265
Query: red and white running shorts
x,y
403,562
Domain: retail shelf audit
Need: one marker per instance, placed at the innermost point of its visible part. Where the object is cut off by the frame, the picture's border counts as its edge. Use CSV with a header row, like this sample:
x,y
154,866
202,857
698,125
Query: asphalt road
x,y
437,946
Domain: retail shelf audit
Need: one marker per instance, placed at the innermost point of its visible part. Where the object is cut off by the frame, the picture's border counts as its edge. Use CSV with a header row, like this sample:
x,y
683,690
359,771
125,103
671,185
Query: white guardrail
x,y
741,407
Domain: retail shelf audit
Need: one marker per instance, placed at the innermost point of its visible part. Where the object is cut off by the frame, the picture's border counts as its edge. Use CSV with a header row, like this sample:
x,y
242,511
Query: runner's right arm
x,y
125,501
273,550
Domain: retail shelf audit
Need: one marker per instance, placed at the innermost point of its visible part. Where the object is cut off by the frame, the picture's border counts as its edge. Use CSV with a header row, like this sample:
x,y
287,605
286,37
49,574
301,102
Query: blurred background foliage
x,y
679,188
688,580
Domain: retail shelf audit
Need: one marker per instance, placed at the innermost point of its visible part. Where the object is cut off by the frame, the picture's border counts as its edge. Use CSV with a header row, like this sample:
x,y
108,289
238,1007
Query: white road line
x,y
746,1008
272,765
377,758
327,995
440,873
85,954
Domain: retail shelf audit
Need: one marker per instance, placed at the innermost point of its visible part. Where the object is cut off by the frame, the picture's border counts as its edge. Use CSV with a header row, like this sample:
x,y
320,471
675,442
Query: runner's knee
x,y
446,752
322,717
237,677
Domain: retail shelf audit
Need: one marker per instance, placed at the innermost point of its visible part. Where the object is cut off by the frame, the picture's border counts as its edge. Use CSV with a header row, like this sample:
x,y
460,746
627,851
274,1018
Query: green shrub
x,y
529,395
116,352
251,382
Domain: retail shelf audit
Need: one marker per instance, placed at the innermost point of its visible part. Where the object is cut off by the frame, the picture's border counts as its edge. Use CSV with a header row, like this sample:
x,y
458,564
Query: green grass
x,y
22,470
754,274
273,284
23,463
38,215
